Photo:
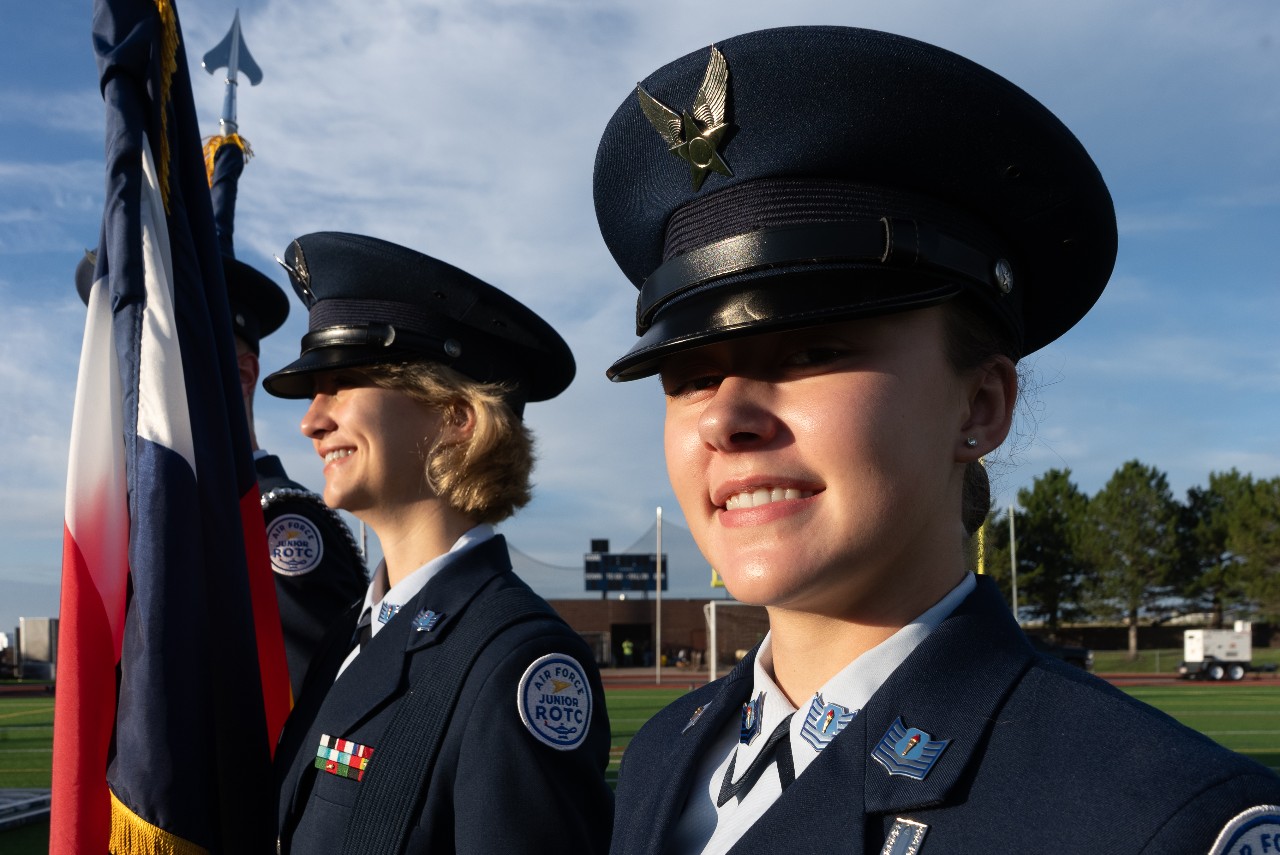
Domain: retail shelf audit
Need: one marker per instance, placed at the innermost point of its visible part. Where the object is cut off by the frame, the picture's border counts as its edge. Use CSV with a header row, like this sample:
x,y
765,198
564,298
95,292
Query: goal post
x,y
733,628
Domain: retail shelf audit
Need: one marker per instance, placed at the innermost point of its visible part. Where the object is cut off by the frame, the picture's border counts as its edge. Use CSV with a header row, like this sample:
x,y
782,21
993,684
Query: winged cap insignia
x,y
298,273
695,135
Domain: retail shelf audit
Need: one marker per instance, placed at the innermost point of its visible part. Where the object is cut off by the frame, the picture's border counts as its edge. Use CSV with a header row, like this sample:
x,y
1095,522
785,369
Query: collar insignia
x,y
823,721
693,719
695,135
426,620
388,611
751,711
908,751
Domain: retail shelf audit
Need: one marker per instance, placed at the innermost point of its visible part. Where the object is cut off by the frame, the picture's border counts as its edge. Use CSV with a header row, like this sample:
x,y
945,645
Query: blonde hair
x,y
486,476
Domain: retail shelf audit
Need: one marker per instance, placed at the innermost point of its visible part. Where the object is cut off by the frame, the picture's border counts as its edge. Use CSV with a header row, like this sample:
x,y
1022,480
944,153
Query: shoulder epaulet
x,y
280,494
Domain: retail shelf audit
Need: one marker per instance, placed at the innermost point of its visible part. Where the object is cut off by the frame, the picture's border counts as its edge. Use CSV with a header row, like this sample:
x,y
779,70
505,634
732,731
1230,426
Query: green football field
x,y
1243,717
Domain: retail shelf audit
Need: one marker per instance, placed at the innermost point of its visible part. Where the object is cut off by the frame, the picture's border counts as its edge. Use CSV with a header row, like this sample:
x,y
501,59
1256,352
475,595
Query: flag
x,y
170,687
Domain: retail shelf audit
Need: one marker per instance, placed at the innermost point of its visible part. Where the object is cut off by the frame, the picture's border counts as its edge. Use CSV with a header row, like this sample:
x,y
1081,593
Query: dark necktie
x,y
779,740
364,629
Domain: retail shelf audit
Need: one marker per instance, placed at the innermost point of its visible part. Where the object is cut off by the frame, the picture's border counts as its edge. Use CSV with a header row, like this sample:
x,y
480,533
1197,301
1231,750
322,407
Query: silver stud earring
x,y
970,441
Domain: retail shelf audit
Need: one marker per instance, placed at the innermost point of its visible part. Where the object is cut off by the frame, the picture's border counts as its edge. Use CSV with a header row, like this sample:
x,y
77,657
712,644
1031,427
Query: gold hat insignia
x,y
694,136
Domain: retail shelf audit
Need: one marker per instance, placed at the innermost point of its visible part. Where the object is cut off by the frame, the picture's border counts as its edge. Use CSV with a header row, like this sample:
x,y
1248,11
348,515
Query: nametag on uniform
x,y
905,838
1254,832
342,757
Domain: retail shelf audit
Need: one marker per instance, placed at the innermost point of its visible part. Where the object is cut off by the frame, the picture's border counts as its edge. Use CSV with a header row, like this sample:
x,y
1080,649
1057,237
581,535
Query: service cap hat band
x,y
381,335
899,244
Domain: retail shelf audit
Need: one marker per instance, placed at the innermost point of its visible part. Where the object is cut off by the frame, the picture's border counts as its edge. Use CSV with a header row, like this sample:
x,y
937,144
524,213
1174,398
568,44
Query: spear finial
x,y
233,55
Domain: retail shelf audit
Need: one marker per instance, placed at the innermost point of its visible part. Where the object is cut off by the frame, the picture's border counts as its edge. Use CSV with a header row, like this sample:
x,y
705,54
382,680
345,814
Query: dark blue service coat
x,y
1042,758
318,592
495,788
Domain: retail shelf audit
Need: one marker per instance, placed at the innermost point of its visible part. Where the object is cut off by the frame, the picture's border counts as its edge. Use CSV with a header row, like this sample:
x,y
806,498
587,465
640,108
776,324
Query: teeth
x,y
337,454
764,496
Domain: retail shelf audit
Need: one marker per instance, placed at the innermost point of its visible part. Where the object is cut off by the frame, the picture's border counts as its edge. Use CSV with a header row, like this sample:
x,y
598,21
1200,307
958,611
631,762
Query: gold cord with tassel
x,y
213,143
132,834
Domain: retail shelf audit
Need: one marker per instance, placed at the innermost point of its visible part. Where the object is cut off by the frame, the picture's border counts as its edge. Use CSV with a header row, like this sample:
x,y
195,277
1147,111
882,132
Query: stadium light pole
x,y
657,630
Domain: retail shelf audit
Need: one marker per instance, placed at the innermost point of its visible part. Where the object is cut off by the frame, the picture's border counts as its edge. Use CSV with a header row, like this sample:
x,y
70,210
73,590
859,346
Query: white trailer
x,y
1218,654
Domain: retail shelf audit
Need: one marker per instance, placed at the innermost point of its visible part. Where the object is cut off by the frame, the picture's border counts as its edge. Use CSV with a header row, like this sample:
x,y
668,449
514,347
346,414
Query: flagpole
x,y
658,622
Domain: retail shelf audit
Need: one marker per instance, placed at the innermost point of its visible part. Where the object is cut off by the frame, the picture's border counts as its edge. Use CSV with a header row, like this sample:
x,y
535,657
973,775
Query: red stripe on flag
x,y
84,708
272,664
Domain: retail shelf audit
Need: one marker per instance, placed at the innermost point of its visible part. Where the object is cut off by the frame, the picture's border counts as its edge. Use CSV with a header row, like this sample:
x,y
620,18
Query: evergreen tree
x,y
1217,573
1131,538
1253,533
1051,569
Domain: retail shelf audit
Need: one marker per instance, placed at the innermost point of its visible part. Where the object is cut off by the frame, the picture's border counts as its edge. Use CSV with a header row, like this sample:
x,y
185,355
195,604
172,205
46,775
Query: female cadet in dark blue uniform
x,y
452,711
843,241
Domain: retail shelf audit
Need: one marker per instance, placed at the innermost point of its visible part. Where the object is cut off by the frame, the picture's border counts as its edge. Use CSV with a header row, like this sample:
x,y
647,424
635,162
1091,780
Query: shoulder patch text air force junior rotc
x,y
295,545
554,699
1254,832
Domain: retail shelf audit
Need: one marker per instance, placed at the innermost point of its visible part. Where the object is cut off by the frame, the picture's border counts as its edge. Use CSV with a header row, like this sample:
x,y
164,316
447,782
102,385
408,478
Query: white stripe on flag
x,y
163,417
97,506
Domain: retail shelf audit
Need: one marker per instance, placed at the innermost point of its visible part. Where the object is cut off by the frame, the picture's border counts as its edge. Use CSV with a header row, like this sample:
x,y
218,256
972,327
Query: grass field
x,y
26,741
1163,661
1244,718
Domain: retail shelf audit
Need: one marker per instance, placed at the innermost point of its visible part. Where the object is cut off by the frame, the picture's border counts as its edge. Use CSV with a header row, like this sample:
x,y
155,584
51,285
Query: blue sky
x,y
468,129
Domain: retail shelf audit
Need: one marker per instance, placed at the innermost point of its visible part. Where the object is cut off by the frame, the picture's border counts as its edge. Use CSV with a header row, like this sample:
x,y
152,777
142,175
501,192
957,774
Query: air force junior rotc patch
x,y
295,545
908,751
1253,832
823,721
554,700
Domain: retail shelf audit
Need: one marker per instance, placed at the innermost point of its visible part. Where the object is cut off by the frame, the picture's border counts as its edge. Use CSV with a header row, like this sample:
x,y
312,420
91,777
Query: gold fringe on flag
x,y
133,835
168,66
213,143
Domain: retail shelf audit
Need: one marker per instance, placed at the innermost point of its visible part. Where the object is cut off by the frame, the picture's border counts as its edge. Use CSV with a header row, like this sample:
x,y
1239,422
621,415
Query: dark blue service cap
x,y
372,302
258,305
804,175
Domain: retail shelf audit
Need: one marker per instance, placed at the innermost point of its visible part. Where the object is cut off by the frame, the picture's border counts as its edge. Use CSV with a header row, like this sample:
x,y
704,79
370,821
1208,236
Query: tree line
x,y
1134,552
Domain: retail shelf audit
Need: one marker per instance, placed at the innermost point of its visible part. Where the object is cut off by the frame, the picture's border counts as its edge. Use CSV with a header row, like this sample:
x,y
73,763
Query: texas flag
x,y
171,682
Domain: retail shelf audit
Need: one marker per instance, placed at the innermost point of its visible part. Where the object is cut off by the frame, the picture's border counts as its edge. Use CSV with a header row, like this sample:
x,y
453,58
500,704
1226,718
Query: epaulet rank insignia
x,y
908,751
554,700
695,135
1252,832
